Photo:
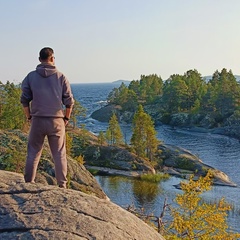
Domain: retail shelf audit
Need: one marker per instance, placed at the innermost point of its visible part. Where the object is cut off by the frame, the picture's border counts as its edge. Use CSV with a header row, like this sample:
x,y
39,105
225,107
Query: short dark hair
x,y
45,53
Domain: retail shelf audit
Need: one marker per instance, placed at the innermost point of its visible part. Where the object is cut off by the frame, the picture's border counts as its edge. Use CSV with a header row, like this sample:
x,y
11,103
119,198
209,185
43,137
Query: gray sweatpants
x,y
54,129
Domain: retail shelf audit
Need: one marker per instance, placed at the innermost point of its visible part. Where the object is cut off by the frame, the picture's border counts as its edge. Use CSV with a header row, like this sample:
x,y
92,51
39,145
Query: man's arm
x,y
26,97
68,112
27,112
67,99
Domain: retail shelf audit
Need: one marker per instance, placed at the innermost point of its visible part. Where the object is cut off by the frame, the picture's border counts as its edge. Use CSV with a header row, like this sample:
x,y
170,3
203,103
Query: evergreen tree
x,y
131,102
78,110
144,139
113,96
150,88
175,94
123,94
223,93
124,97
207,103
101,138
135,86
195,89
114,133
11,112
145,90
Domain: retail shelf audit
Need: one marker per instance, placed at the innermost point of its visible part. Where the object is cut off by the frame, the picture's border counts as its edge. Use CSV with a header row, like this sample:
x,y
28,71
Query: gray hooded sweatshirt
x,y
48,90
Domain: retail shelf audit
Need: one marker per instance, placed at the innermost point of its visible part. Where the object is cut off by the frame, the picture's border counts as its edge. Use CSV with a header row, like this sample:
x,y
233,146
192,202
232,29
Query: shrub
x,y
154,177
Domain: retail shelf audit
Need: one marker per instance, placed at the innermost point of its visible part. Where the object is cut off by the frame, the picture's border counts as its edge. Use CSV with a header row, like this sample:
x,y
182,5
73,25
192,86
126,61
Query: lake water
x,y
218,151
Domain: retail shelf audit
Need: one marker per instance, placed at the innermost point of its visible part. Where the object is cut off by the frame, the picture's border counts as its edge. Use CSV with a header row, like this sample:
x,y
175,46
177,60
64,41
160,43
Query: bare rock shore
x,y
181,162
37,211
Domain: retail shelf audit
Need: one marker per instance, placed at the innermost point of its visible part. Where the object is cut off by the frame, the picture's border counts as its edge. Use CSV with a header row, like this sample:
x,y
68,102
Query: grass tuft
x,y
156,178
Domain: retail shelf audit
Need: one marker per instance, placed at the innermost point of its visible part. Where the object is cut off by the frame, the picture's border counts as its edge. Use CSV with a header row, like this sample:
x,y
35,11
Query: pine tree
x,y
114,133
150,88
78,110
175,94
195,89
101,138
223,93
144,140
11,113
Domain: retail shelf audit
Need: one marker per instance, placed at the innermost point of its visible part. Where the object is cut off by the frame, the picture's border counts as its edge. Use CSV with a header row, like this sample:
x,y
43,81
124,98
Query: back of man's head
x,y
45,53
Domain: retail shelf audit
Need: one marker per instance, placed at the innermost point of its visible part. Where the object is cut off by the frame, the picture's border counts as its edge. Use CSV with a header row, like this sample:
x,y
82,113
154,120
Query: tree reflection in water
x,y
126,191
145,193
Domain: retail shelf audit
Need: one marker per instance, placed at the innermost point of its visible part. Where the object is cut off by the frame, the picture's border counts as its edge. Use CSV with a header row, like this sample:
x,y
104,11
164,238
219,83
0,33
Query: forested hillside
x,y
214,101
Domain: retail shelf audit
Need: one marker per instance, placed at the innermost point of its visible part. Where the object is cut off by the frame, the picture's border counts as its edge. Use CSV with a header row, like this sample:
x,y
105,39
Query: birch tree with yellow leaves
x,y
196,219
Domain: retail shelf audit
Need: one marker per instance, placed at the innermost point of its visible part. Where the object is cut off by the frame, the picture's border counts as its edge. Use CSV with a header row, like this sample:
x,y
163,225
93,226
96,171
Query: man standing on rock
x,y
44,93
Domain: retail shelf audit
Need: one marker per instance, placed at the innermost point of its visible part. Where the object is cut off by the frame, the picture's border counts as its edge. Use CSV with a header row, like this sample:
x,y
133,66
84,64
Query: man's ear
x,y
39,59
52,59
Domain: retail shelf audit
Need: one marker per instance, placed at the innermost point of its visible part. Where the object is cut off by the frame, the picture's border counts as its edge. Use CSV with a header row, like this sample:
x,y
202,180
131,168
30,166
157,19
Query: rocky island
x,y
171,159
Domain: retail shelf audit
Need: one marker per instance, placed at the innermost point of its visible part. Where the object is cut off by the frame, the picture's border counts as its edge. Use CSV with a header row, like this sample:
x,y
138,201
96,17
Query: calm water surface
x,y
218,151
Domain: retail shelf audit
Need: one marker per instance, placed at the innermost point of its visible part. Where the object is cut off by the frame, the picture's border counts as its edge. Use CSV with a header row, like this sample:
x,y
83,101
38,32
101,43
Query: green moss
x,y
12,160
185,163
94,172
134,167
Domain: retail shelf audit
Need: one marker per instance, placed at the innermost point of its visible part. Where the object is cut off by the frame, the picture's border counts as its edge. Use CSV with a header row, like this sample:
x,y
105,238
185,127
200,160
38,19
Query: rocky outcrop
x,y
179,161
179,119
230,131
104,114
105,171
36,211
116,158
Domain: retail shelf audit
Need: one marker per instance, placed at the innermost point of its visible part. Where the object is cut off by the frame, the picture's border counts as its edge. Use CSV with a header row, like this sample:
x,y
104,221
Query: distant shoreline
x,y
119,82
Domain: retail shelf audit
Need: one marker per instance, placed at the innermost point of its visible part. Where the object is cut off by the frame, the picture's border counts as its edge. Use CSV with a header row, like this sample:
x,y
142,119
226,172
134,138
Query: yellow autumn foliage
x,y
196,219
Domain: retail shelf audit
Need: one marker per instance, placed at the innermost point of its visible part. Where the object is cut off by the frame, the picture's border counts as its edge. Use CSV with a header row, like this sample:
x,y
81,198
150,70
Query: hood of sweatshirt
x,y
46,70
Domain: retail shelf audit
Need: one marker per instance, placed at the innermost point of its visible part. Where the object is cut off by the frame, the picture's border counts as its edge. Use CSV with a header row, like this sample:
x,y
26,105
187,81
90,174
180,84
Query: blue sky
x,y
108,40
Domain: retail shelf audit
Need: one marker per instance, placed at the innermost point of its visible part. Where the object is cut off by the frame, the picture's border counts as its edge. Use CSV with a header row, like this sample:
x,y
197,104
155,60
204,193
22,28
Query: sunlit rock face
x,y
183,162
37,211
